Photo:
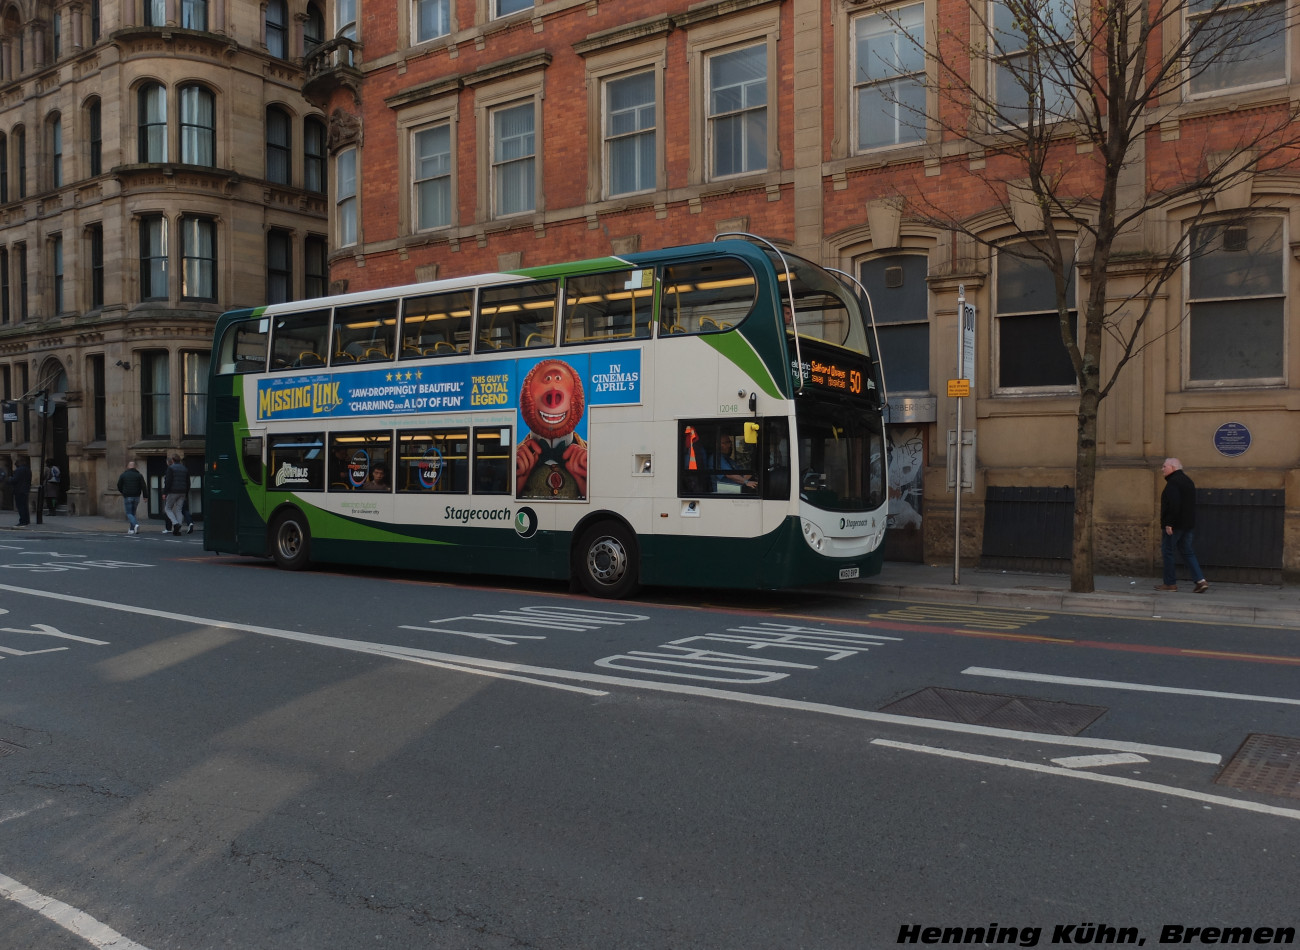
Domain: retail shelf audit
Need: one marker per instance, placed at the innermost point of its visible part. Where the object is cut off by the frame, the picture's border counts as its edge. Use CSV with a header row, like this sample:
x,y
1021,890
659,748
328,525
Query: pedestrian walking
x,y
186,516
131,486
176,486
21,483
53,478
1177,524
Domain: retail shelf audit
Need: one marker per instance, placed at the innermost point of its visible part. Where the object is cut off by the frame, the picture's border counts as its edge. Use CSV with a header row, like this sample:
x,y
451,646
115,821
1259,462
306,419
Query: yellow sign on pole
x,y
958,387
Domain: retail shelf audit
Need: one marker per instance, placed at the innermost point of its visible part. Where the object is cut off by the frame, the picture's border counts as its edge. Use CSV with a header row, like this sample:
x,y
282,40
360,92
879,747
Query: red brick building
x,y
478,135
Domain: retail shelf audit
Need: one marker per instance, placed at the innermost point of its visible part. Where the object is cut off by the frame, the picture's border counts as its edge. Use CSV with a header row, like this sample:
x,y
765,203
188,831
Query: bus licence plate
x,y
848,573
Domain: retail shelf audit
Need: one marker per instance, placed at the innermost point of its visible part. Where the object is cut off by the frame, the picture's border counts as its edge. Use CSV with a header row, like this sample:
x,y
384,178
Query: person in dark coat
x,y
131,486
1177,523
21,483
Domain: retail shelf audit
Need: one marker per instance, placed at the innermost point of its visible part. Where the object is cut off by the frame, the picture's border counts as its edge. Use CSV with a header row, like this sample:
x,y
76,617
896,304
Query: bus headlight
x,y
813,535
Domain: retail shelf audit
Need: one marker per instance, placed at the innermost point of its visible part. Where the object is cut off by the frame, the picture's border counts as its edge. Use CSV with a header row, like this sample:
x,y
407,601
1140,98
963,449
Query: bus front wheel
x,y
291,541
608,561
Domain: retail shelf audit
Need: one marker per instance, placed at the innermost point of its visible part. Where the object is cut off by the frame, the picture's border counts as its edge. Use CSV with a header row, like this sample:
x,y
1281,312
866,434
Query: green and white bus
x,y
708,415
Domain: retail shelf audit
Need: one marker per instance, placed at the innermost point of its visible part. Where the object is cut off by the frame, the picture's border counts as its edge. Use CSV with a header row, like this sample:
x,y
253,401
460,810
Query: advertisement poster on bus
x,y
554,396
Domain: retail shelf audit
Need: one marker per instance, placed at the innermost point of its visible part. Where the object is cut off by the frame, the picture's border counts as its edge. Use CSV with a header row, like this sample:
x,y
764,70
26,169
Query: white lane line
x,y
1092,761
479,666
1096,777
1115,684
68,917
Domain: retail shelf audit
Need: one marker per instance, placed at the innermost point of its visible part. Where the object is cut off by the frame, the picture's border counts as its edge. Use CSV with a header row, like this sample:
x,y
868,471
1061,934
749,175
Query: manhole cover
x,y
993,709
1267,764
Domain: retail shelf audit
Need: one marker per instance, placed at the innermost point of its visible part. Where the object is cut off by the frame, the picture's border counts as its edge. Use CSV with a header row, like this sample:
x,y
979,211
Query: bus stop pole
x,y
956,446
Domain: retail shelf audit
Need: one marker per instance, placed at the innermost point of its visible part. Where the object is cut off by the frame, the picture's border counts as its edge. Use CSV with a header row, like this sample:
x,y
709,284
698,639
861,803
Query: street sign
x,y
958,388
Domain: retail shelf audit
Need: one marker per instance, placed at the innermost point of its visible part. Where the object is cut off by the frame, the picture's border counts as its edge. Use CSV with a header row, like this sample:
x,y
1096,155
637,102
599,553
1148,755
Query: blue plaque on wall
x,y
1232,439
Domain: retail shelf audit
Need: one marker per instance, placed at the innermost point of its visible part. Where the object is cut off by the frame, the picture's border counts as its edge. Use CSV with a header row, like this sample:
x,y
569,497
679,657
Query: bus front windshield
x,y
841,457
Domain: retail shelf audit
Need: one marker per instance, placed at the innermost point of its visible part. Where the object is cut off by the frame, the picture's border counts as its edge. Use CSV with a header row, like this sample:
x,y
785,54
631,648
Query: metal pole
x,y
40,465
956,447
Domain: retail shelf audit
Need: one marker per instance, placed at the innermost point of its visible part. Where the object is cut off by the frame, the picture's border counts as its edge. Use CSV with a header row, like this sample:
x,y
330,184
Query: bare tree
x,y
1059,101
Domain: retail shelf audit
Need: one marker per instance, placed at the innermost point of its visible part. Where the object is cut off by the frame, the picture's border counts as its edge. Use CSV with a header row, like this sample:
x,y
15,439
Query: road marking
x,y
1114,684
1092,761
513,670
67,917
1095,777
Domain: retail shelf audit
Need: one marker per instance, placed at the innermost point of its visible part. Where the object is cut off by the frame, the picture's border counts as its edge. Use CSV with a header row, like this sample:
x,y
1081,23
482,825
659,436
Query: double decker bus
x,y
707,415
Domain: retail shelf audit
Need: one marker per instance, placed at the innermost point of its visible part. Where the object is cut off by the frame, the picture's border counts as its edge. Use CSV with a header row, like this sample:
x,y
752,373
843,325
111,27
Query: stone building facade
x,y
475,135
158,166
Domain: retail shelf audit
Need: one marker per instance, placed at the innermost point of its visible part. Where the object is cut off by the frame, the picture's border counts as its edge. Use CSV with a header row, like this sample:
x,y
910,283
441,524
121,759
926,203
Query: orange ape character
x,y
551,461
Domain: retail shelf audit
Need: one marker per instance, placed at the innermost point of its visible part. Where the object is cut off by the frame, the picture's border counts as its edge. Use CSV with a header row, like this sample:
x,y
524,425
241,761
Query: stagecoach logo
x,y
290,473
525,522
849,524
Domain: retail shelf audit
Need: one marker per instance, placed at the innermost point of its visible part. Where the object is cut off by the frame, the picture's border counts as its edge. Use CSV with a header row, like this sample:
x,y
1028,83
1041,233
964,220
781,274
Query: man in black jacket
x,y
1177,521
21,483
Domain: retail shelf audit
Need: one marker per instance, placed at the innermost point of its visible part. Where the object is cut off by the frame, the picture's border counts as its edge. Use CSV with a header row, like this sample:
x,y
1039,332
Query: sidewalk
x,y
1114,596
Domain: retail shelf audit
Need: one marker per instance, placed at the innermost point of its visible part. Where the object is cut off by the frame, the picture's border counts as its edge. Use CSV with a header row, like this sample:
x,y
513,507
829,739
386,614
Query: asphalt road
x,y
199,751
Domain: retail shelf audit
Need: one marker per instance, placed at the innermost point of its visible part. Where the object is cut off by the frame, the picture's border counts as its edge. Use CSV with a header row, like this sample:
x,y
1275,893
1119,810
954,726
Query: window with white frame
x,y
432,19
153,257
431,174
1235,43
151,122
737,111
1030,78
345,202
630,120
198,126
1236,325
198,258
514,159
502,8
899,296
1030,351
889,76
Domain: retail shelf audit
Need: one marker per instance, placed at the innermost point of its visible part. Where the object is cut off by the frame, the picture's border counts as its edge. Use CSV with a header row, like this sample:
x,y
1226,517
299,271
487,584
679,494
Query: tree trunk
x,y
1085,477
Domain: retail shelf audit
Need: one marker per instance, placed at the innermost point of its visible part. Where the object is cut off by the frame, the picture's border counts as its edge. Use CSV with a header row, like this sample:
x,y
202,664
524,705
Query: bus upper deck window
x,y
243,347
436,325
614,306
517,316
705,296
364,333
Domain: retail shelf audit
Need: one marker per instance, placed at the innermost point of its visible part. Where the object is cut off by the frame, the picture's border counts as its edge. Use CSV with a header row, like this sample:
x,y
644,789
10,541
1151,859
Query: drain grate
x,y
1266,764
992,709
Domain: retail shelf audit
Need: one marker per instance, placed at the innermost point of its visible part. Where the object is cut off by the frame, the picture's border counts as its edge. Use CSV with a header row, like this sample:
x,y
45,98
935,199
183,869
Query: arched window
x,y
54,145
313,30
152,122
94,137
198,126
20,154
279,152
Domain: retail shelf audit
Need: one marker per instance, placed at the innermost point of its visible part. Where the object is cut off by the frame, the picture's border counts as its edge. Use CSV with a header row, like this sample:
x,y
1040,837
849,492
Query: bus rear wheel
x,y
609,564
291,541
